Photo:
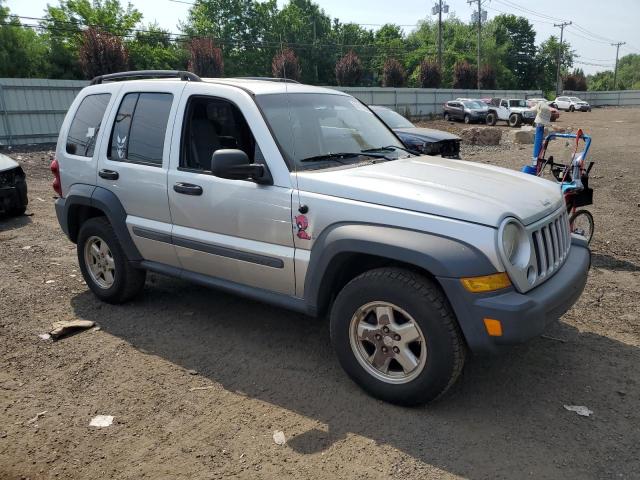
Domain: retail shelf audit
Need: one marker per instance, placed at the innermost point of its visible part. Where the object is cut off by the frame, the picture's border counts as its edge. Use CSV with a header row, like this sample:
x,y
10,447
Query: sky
x,y
596,24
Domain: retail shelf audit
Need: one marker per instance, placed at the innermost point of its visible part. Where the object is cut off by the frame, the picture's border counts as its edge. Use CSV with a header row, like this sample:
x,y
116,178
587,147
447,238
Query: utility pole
x,y
315,51
480,16
615,72
439,8
558,84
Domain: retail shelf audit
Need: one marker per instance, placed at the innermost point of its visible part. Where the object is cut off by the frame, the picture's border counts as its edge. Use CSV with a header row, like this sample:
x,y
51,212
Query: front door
x,y
235,230
133,164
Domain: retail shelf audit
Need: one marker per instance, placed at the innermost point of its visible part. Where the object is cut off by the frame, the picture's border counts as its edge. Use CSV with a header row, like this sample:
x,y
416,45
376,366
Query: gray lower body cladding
x,y
523,316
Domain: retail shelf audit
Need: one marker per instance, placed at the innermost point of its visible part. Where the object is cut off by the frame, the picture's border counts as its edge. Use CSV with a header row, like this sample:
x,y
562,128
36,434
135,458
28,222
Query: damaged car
x,y
13,187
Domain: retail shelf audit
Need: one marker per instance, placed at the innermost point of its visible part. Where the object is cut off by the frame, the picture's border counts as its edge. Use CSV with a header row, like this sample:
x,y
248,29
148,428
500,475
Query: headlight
x,y
514,242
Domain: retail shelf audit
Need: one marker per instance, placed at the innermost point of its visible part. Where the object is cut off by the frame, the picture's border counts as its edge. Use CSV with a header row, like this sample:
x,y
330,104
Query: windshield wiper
x,y
389,147
337,157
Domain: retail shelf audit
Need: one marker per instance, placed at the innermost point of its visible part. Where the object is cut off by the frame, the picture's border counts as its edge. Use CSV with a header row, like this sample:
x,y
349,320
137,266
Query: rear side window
x,y
85,125
139,129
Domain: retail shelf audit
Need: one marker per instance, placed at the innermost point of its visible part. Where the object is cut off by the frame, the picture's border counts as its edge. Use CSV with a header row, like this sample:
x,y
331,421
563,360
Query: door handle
x,y
108,174
187,188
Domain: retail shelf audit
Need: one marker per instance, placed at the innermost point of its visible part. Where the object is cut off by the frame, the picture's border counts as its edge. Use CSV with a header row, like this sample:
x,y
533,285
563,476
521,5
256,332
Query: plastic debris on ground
x,y
579,409
65,327
101,421
44,336
279,437
36,418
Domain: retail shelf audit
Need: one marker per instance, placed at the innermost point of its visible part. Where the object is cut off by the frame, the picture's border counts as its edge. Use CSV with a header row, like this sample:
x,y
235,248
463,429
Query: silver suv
x,y
301,197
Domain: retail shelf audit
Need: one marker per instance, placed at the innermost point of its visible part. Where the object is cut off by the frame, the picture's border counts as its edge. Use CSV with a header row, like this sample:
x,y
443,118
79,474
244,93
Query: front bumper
x,y
523,316
528,120
13,197
584,108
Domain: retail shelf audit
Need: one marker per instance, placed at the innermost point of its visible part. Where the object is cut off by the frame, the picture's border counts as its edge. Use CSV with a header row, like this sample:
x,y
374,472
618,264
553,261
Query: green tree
x,y
514,39
154,49
23,53
64,24
546,63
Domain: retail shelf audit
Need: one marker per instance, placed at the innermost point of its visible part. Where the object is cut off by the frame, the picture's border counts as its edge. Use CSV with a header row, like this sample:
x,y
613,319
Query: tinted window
x,y
140,126
84,128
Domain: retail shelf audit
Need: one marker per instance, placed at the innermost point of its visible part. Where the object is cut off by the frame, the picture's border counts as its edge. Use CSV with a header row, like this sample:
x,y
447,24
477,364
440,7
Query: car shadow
x,y
8,223
609,262
504,414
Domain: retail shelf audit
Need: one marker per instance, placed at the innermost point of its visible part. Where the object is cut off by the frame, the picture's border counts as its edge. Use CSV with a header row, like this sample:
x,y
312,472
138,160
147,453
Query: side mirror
x,y
234,165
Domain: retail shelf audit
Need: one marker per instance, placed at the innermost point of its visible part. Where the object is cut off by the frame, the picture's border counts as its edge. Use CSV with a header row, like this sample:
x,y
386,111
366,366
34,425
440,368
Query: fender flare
x,y
104,200
440,256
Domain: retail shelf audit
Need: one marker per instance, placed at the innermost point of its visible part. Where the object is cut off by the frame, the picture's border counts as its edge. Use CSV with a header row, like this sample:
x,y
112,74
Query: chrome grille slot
x,y
551,241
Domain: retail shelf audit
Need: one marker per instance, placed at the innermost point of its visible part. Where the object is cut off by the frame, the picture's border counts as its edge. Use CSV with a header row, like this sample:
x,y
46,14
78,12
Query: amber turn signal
x,y
494,327
486,283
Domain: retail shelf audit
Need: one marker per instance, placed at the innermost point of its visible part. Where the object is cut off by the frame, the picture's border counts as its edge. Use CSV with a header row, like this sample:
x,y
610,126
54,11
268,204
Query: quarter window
x,y
85,126
139,129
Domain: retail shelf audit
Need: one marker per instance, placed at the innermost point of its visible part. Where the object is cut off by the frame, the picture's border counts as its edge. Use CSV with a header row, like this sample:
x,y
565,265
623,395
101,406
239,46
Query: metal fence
x,y
620,98
32,110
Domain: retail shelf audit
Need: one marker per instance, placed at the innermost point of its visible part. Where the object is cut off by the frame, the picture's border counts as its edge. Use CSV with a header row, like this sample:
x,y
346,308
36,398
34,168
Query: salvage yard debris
x,y
279,438
101,421
65,327
579,409
36,418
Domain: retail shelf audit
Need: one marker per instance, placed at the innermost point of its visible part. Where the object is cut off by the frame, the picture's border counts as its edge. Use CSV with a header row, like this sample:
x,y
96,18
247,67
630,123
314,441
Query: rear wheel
x,y
572,108
515,120
104,264
446,116
396,336
491,119
467,119
582,224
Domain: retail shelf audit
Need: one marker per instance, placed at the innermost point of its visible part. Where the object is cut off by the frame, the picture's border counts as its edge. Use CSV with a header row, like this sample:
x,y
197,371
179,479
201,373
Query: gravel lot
x,y
265,369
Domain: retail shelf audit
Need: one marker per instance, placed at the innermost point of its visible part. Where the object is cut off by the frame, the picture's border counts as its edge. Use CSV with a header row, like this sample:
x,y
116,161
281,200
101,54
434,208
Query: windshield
x,y
393,119
517,103
309,125
475,105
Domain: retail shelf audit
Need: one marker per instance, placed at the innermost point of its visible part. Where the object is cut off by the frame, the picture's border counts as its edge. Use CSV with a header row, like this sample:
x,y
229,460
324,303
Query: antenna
x,y
293,138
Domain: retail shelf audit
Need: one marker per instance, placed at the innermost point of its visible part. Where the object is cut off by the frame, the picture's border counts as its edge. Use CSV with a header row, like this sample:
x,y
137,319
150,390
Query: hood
x,y
7,163
461,190
427,134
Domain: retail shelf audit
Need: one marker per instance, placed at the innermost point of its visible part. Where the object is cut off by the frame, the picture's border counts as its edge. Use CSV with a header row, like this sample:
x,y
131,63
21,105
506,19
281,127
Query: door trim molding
x,y
218,250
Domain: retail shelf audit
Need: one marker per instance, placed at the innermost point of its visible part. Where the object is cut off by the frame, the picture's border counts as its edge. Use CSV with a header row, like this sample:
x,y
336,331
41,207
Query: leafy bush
x,y
429,74
205,59
575,82
393,74
464,75
488,77
349,70
101,53
285,65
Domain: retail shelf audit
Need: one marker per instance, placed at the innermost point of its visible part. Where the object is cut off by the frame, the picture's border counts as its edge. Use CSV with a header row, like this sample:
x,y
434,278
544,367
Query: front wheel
x,y
467,119
582,224
491,119
515,120
446,116
104,265
572,109
396,336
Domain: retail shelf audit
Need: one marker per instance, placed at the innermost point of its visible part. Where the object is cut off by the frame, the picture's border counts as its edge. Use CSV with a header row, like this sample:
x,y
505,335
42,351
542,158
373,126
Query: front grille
x,y
551,241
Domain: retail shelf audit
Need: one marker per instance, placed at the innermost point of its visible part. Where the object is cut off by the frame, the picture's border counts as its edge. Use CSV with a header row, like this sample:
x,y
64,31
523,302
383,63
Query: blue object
x,y
537,142
530,169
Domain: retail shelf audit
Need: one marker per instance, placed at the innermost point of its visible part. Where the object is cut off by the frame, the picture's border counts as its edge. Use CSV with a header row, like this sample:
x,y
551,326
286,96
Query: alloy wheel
x,y
99,261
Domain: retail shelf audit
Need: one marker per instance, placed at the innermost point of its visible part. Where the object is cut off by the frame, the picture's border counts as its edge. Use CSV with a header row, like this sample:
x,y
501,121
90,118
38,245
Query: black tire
x,y
127,280
580,220
446,117
492,118
515,120
572,108
425,302
467,119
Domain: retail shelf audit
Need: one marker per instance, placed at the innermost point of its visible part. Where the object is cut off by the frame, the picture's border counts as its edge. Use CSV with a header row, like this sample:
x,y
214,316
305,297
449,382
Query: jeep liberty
x,y
301,197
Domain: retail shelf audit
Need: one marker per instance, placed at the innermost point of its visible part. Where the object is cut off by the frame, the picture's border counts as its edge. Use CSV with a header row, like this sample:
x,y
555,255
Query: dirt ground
x,y
264,369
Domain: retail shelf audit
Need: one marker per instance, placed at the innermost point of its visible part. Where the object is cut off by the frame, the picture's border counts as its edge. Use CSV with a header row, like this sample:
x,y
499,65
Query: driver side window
x,y
504,104
212,124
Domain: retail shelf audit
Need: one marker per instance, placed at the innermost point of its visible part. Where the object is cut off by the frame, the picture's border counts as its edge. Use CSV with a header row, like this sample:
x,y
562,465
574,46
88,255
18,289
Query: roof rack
x,y
181,74
269,79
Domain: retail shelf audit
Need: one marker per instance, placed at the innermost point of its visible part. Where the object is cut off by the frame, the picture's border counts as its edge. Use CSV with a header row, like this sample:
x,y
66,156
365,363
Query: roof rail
x,y
183,75
269,79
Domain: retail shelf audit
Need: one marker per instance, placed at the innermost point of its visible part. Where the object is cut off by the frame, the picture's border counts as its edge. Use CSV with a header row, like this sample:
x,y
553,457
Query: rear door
x,y
134,160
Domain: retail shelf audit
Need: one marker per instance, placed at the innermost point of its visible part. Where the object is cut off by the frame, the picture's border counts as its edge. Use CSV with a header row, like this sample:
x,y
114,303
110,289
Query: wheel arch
x,y
86,201
344,251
